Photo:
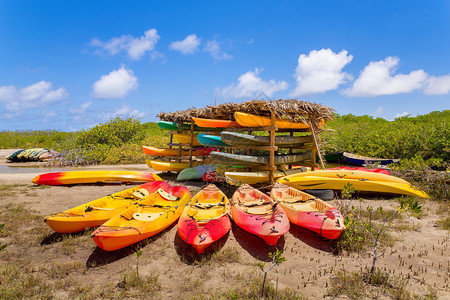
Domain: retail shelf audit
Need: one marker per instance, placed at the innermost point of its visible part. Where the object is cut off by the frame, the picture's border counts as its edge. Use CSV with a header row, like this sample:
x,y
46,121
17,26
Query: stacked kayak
x,y
166,166
186,139
210,140
308,211
205,219
258,214
360,180
215,123
172,126
237,159
144,219
32,154
378,170
247,140
97,212
249,120
175,152
236,178
81,177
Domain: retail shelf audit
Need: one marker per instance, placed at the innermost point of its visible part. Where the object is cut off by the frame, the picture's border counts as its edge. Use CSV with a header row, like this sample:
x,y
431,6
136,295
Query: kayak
x,y
172,126
381,171
210,140
237,159
249,120
144,219
176,152
215,123
186,139
236,178
258,214
309,212
205,219
302,182
239,139
80,177
360,160
97,212
165,166
354,174
195,172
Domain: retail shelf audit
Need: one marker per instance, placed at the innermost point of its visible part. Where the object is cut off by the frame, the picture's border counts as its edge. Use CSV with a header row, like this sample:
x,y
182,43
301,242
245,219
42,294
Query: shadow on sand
x,y
255,245
57,237
100,257
311,238
188,254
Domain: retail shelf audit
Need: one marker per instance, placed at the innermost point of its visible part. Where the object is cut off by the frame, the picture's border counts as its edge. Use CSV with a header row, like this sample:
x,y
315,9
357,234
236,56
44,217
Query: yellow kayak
x,y
97,212
186,139
151,215
249,120
237,178
166,166
302,182
354,174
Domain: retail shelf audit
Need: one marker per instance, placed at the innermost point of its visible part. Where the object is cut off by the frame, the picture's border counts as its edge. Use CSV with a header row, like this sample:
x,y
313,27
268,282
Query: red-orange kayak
x,y
205,219
175,151
259,214
215,123
309,212
79,177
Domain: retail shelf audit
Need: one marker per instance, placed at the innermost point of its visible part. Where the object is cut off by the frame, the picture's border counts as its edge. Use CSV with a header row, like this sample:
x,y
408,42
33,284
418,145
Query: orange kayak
x,y
80,177
215,123
205,219
144,219
175,151
258,214
97,212
309,212
249,120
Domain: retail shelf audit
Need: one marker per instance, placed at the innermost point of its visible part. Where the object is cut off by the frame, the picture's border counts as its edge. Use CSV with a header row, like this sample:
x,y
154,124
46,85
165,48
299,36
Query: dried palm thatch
x,y
290,109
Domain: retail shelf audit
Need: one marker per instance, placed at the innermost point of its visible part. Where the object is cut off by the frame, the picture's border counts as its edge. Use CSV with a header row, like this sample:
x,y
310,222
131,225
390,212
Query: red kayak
x,y
259,214
381,171
205,218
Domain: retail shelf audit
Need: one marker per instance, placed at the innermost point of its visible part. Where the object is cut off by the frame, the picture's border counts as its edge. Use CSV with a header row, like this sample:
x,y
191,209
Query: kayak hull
x,y
250,120
166,166
176,152
363,160
215,123
247,140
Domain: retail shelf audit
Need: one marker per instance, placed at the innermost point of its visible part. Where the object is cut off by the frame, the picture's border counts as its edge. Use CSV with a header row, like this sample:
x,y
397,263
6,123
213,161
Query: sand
x,y
420,253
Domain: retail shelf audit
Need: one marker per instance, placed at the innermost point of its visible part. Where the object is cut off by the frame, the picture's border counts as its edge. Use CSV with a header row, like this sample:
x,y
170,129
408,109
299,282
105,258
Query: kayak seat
x,y
140,193
147,216
207,205
304,206
258,210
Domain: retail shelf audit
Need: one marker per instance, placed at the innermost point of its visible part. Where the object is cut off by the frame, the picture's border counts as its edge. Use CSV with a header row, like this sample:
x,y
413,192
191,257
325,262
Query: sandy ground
x,y
420,255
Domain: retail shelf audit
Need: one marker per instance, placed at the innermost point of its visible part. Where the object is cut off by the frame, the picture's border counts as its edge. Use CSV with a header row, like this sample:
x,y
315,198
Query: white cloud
x,y
135,47
214,49
187,46
321,71
377,79
403,114
82,109
378,112
437,85
250,84
35,95
123,111
117,84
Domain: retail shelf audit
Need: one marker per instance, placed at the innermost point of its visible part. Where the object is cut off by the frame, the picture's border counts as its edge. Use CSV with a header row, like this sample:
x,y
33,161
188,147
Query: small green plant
x,y
138,256
347,191
277,258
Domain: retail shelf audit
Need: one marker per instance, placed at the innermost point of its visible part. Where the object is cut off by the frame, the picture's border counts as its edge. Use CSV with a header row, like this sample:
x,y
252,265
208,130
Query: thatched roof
x,y
291,109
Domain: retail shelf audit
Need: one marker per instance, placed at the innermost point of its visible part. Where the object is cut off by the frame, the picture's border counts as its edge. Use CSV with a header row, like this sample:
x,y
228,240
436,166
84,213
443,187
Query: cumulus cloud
x,y
19,99
378,112
320,71
187,46
215,50
250,84
437,85
403,114
378,78
117,84
135,47
82,109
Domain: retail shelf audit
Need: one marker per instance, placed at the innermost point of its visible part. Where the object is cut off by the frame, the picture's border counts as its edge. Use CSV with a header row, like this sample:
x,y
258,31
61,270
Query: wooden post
x,y
272,144
316,144
191,142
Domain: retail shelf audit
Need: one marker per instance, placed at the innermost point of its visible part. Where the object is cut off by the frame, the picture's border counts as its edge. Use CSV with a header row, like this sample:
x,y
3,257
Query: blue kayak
x,y
210,140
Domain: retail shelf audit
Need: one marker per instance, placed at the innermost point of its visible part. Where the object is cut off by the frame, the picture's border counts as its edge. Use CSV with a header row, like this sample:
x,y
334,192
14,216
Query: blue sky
x,y
69,65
